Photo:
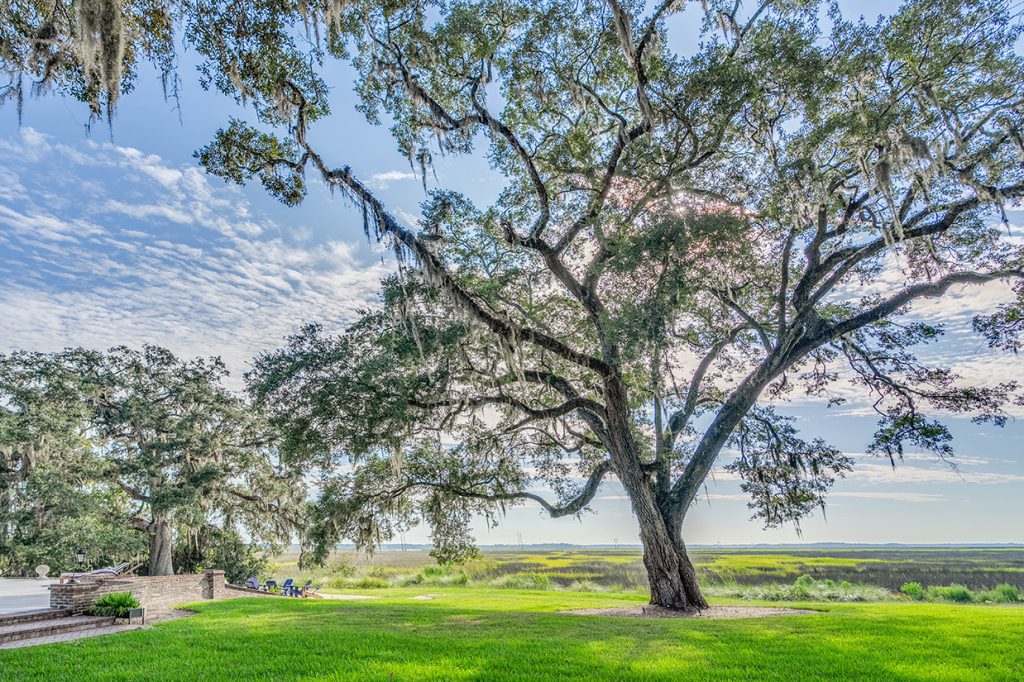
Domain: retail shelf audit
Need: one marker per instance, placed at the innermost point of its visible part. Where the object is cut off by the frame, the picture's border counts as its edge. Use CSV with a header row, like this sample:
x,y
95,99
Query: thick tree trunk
x,y
673,580
161,546
671,575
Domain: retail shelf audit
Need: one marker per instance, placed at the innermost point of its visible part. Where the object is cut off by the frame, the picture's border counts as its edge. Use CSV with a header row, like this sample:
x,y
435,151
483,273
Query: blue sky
x,y
107,241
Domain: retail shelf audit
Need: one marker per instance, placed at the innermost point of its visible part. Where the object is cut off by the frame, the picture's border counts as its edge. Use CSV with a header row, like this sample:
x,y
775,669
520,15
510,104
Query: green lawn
x,y
474,634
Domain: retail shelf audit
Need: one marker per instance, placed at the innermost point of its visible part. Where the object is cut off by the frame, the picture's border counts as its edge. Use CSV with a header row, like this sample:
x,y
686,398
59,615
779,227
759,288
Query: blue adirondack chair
x,y
308,589
270,585
288,588
253,583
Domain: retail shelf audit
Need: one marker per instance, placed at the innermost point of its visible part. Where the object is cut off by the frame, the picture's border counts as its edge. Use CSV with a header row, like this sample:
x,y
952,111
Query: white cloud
x,y
156,254
872,472
388,178
408,218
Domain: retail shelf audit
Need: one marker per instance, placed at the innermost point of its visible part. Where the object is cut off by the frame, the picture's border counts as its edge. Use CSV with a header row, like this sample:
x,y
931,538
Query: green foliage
x,y
523,581
1001,594
116,604
115,451
913,590
240,148
804,588
786,477
953,593
209,547
342,567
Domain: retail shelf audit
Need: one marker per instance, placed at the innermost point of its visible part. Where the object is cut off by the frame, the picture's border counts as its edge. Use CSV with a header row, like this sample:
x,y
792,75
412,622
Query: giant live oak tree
x,y
689,230
50,504
160,438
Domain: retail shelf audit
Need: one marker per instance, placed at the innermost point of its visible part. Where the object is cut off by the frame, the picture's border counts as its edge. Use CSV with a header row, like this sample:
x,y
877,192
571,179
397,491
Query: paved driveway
x,y
23,594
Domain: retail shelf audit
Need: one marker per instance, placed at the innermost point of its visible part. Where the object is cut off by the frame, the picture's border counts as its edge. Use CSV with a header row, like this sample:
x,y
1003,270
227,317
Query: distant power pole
x,y
616,541
519,538
401,534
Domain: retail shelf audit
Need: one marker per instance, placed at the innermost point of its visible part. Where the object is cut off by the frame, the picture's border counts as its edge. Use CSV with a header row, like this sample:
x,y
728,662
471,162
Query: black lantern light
x,y
79,559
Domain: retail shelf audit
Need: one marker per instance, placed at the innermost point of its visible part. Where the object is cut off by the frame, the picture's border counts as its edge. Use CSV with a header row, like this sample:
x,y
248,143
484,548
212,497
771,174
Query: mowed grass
x,y
479,634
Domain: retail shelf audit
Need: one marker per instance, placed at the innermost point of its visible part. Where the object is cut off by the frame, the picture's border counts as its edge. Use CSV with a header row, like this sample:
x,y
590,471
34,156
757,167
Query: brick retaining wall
x,y
153,592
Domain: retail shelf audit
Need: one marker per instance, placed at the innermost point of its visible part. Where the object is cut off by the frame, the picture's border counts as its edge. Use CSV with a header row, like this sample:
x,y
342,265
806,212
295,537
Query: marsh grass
x,y
833,575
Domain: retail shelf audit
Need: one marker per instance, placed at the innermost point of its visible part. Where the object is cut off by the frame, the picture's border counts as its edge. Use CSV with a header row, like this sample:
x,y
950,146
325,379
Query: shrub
x,y
459,578
408,579
116,604
434,571
370,582
913,590
953,593
803,590
342,567
585,586
522,581
1001,594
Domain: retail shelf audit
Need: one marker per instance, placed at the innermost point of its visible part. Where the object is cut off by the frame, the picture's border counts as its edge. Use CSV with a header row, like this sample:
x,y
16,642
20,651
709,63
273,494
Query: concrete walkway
x,y
24,594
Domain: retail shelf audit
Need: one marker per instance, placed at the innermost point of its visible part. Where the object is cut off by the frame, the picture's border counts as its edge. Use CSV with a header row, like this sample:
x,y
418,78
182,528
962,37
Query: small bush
x,y
522,581
337,583
803,590
453,579
435,575
116,604
342,567
1001,594
808,581
913,590
370,582
954,593
585,586
408,579
434,571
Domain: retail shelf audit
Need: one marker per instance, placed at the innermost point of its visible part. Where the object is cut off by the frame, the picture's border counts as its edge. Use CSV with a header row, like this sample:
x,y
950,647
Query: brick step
x,y
49,627
68,636
32,616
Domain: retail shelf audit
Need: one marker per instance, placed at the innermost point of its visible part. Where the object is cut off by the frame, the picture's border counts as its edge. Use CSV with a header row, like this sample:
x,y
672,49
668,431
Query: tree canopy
x,y
138,443
687,234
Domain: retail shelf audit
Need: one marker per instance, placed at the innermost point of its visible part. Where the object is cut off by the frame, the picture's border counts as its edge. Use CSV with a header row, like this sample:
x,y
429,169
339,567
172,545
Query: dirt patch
x,y
713,613
163,614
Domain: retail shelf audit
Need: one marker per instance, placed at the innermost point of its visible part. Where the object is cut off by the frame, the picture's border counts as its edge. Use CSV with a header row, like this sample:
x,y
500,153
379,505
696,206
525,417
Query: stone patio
x,y
24,594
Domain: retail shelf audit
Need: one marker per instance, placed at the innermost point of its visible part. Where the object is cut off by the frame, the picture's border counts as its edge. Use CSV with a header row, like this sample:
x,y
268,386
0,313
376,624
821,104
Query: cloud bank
x,y
103,245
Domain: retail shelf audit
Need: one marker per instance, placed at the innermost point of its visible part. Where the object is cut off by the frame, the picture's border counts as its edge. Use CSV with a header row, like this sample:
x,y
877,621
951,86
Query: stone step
x,y
50,627
32,616
69,636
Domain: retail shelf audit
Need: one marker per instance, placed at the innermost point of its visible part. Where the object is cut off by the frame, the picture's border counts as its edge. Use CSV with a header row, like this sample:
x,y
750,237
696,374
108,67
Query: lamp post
x,y
80,560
